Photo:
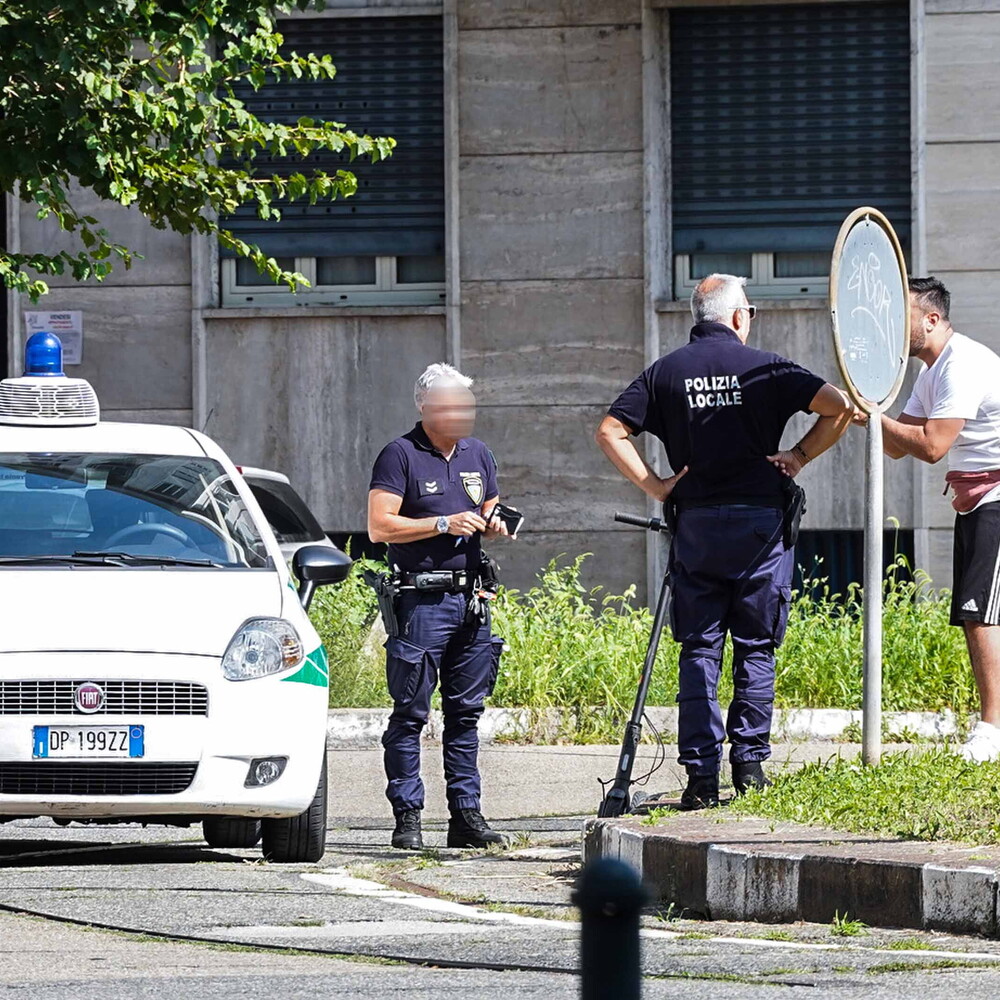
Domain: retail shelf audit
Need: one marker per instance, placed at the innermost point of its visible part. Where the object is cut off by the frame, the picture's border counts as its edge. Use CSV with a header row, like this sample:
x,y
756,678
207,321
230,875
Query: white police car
x,y
156,661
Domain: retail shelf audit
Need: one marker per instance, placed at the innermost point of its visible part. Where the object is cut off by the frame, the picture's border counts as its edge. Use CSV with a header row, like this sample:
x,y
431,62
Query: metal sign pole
x,y
871,725
871,335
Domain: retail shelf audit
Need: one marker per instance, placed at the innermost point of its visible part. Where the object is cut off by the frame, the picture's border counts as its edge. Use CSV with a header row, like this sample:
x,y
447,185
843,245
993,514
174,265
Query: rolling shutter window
x,y
390,81
783,120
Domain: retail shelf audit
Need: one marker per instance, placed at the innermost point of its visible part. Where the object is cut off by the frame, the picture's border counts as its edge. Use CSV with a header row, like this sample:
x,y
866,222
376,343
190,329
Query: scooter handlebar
x,y
649,523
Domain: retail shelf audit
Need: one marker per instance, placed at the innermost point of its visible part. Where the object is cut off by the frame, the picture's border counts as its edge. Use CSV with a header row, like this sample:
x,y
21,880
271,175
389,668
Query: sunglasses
x,y
752,310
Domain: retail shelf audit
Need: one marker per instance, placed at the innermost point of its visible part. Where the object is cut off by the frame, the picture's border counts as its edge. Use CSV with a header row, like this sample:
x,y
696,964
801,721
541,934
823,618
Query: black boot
x,y
467,828
702,792
407,833
749,774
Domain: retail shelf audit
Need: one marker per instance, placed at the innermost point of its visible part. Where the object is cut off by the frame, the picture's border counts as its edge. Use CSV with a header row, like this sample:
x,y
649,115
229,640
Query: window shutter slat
x,y
390,81
783,120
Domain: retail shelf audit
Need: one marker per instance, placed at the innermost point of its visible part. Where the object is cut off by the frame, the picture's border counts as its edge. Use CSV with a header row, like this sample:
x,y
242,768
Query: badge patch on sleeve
x,y
474,487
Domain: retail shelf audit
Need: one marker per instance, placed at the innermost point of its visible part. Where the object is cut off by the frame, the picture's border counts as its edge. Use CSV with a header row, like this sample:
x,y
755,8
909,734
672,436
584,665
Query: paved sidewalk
x,y
523,781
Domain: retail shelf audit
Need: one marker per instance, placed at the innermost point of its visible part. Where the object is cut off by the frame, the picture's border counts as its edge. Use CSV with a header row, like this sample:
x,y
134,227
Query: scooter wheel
x,y
637,800
614,804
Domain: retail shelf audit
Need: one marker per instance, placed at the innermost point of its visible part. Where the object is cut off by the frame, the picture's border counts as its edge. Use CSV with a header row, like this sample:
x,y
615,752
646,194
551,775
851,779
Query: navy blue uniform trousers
x,y
730,574
436,645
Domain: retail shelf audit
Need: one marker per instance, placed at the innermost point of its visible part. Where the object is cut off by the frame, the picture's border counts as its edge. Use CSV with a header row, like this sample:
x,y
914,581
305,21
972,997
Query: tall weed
x,y
582,650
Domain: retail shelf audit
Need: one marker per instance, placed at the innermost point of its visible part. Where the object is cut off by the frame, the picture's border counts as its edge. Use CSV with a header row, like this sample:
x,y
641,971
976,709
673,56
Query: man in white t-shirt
x,y
954,410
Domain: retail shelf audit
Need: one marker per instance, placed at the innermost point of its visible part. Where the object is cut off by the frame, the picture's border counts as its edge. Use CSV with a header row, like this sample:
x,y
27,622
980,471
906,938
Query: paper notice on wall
x,y
67,326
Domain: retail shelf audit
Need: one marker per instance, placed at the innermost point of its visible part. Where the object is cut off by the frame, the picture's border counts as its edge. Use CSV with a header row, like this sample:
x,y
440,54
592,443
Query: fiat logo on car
x,y
89,698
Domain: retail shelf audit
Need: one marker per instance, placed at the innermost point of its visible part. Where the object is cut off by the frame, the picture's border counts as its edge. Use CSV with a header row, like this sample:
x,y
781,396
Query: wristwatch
x,y
442,525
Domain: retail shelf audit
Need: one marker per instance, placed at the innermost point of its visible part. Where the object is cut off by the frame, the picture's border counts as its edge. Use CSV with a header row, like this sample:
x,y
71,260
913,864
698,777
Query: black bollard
x,y
610,897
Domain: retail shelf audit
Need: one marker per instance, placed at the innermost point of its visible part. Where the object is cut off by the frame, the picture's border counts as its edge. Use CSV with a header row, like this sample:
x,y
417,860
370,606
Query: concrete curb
x,y
728,868
366,725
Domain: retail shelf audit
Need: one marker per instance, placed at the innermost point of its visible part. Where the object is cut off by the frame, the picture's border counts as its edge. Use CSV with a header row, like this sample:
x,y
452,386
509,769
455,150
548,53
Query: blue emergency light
x,y
43,355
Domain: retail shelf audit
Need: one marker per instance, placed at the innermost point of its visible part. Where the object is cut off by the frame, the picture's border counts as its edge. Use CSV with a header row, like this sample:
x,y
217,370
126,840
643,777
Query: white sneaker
x,y
982,745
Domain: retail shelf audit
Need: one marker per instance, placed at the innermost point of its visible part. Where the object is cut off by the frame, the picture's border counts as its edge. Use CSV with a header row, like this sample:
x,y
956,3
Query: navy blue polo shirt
x,y
720,408
431,485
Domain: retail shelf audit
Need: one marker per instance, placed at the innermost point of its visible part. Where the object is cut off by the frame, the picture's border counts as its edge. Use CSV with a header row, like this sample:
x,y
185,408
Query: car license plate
x,y
88,741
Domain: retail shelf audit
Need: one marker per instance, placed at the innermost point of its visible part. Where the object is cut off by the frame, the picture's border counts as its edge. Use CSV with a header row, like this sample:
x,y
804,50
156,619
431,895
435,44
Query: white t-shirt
x,y
964,384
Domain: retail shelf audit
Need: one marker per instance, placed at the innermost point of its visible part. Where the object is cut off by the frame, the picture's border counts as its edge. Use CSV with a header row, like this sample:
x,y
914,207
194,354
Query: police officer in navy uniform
x,y
432,498
720,408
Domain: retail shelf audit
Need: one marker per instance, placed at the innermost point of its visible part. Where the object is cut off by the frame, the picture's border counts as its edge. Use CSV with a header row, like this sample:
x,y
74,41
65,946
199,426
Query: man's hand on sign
x,y
667,485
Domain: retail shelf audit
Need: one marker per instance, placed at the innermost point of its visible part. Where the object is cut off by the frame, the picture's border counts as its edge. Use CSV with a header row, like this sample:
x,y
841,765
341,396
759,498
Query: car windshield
x,y
124,510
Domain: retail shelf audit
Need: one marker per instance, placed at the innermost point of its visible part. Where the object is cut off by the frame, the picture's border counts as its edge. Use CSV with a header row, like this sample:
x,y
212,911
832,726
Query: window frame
x,y
386,290
761,281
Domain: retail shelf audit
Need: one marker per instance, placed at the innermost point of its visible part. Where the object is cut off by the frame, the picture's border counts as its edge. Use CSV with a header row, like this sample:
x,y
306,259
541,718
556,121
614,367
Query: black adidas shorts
x,y
976,593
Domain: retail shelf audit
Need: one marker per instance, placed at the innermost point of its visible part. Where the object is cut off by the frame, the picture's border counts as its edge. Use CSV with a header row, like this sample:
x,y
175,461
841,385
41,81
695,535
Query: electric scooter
x,y
618,800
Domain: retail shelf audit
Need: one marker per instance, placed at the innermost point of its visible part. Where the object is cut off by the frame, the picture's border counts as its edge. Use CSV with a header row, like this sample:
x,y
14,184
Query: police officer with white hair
x,y
432,497
720,408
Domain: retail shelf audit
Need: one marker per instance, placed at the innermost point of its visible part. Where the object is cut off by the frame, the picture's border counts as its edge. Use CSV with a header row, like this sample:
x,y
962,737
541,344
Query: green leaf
x,y
146,115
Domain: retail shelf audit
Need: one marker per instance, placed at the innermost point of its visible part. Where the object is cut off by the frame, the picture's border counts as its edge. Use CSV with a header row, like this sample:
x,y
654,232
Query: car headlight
x,y
262,646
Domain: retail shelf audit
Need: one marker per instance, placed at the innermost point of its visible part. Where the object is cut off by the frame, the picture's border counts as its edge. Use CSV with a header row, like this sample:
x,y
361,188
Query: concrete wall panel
x,y
317,398
962,61
561,216
546,13
963,207
551,468
553,342
166,255
961,6
136,343
534,91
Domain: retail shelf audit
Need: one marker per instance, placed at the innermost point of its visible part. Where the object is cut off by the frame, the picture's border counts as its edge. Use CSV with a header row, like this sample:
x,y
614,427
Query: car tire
x,y
302,837
230,831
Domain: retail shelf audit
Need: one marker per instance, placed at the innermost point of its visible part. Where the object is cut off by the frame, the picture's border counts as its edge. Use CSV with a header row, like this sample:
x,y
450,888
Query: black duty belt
x,y
777,503
438,579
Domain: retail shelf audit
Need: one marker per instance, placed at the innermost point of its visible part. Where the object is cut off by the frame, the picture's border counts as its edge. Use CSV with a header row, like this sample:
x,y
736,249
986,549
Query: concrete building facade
x,y
560,281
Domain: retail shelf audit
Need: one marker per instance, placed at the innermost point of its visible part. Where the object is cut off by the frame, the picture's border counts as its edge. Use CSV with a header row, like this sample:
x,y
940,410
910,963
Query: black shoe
x,y
407,833
702,792
749,774
467,828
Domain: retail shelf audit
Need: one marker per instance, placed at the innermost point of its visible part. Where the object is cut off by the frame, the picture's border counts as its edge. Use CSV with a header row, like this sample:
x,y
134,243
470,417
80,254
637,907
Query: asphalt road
x,y
123,912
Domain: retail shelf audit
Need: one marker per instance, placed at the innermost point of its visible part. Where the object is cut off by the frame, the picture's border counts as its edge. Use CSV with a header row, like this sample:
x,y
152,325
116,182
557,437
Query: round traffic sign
x,y
870,307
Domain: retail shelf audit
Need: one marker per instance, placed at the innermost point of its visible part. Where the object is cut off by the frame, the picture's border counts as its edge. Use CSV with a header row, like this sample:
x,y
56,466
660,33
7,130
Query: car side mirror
x,y
316,566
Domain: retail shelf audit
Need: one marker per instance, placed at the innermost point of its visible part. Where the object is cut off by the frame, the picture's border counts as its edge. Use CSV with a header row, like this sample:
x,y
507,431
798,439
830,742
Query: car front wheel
x,y
302,837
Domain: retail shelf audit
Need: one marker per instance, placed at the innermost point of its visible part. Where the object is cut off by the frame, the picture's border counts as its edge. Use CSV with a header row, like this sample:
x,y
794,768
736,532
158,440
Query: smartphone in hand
x,y
511,517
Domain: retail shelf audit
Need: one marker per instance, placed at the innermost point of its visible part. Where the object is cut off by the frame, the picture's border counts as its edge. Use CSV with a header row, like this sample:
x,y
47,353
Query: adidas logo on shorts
x,y
970,605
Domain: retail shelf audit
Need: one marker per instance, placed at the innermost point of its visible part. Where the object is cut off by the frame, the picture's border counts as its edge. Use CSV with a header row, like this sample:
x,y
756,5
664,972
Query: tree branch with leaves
x,y
136,101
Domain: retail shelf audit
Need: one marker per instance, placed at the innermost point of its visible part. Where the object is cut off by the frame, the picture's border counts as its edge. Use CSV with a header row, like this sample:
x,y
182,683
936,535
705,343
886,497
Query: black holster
x,y
670,516
795,507
386,590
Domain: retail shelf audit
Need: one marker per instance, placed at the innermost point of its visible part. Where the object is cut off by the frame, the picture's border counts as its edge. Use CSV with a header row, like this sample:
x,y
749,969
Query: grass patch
x,y
843,926
580,650
935,966
931,795
429,857
779,936
909,944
